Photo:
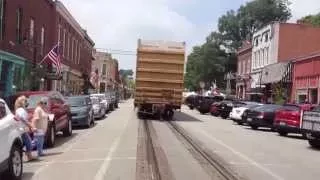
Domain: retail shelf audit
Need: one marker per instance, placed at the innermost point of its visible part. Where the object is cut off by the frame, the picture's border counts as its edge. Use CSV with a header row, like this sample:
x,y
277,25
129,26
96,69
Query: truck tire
x,y
315,143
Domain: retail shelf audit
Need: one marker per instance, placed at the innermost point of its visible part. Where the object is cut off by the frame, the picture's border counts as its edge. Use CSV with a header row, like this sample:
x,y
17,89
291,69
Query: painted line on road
x,y
106,163
251,161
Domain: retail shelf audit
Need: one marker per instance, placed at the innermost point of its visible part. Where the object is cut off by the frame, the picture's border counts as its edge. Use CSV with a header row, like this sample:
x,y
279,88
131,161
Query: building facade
x,y
76,52
107,69
274,46
26,35
306,77
244,55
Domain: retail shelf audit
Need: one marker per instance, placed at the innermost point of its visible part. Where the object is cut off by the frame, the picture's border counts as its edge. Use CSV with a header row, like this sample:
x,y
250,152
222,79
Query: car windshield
x,y
95,100
33,100
250,106
76,101
266,108
290,108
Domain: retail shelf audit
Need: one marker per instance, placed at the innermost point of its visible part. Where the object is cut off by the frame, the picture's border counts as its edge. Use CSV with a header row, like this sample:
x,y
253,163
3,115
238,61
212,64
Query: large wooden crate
x,y
159,73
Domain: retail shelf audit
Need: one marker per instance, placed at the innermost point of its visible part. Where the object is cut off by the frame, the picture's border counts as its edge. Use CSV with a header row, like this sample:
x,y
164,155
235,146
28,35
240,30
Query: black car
x,y
191,101
226,106
205,102
262,116
81,110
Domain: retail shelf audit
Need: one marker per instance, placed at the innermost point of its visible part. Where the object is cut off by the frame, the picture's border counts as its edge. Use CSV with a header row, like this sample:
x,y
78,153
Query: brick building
x,y
26,35
306,79
244,55
76,51
107,68
274,46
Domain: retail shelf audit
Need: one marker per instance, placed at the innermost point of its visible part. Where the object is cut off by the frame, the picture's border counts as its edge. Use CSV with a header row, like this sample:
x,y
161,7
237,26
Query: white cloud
x,y
302,8
119,24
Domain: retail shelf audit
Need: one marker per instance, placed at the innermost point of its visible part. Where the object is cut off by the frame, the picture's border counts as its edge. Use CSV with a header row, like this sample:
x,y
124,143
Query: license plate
x,y
283,124
249,119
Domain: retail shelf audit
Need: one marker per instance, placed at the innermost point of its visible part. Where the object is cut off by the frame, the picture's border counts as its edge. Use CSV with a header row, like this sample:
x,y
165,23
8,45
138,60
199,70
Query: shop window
x,y
302,98
314,96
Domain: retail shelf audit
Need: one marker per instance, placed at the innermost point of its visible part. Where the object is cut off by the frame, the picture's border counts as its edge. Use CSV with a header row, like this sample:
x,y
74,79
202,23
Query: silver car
x,y
99,110
103,100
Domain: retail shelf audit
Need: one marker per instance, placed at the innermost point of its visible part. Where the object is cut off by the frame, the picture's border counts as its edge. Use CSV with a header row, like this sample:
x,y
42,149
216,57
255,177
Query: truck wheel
x,y
15,166
315,143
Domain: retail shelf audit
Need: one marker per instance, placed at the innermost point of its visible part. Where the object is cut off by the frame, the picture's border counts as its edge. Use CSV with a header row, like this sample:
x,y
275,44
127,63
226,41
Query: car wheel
x,y
51,136
315,143
68,130
239,123
282,133
89,121
191,107
254,127
15,166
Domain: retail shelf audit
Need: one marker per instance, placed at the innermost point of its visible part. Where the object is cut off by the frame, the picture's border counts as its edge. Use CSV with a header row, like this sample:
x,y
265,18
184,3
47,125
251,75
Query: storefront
x,y
243,86
14,74
71,82
277,81
306,77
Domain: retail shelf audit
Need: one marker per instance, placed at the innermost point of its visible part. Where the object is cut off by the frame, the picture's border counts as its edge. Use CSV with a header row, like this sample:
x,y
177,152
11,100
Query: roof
x,y
309,56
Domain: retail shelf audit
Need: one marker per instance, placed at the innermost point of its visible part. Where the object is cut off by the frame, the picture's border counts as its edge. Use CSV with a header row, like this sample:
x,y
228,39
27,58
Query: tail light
x,y
261,115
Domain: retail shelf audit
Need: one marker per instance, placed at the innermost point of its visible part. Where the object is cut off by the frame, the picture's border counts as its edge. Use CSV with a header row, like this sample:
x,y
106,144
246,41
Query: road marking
x,y
251,161
106,163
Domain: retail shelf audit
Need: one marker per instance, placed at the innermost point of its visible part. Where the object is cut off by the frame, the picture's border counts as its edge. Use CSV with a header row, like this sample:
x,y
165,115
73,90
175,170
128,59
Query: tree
x,y
311,19
126,72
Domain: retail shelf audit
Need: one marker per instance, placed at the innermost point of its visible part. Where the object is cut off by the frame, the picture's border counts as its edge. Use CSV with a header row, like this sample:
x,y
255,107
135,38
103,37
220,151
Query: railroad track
x,y
213,164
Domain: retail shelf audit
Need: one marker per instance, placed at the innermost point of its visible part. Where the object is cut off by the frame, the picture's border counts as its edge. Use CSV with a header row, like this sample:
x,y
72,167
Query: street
x,y
115,148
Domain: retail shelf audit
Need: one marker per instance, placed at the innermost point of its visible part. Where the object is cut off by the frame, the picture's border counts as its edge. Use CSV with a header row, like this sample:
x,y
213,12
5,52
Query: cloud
x,y
302,8
119,24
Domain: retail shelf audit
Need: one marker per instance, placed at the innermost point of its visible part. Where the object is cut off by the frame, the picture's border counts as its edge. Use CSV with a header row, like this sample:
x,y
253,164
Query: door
x,y
63,110
5,126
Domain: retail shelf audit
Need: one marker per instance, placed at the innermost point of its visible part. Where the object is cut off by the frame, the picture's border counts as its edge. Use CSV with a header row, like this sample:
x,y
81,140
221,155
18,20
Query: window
x,y
18,25
266,37
42,40
2,18
248,65
258,59
267,55
64,43
71,52
243,67
79,53
76,51
256,41
262,57
104,69
59,33
239,72
68,47
31,28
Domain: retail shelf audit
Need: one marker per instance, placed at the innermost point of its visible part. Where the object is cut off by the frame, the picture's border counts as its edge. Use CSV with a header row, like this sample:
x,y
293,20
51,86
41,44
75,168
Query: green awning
x,y
12,58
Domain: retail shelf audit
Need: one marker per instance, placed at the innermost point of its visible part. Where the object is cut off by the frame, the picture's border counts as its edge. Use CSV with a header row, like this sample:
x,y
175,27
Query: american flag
x,y
54,56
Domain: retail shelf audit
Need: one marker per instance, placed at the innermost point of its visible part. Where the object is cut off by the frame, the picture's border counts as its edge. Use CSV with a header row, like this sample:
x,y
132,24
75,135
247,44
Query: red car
x,y
214,109
288,118
56,104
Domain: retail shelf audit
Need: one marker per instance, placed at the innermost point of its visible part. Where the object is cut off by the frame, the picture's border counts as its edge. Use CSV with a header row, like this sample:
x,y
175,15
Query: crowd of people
x,y
35,127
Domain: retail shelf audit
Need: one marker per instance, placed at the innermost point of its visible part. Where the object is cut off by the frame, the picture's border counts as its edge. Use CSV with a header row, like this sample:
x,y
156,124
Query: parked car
x,y
205,102
226,107
81,111
239,114
11,161
288,118
215,109
56,105
190,101
311,126
262,116
104,100
99,110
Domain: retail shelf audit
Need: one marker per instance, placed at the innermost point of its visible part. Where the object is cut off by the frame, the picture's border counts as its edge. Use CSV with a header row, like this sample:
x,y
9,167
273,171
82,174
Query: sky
x,y
118,24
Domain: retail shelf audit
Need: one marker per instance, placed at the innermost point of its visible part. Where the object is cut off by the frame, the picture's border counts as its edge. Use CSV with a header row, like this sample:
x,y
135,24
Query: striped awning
x,y
276,72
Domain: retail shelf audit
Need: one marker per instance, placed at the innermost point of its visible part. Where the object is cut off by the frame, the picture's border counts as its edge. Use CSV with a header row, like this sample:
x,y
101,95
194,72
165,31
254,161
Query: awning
x,y
276,72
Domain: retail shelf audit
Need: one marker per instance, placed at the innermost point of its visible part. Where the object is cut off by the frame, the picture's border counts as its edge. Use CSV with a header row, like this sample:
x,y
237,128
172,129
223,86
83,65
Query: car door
x,y
5,126
63,110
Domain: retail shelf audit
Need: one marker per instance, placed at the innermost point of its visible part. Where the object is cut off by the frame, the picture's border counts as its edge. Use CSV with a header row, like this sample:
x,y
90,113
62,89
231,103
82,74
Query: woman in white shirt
x,y
22,116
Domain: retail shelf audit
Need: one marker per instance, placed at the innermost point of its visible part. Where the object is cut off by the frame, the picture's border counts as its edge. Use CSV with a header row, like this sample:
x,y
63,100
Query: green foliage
x,y
125,72
217,55
311,19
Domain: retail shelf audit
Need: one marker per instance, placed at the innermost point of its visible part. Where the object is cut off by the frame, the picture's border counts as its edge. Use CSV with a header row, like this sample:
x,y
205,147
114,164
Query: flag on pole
x,y
54,57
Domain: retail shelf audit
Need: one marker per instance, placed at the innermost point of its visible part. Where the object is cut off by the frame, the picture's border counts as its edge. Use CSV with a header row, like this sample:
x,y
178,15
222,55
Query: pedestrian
x,y
40,122
22,115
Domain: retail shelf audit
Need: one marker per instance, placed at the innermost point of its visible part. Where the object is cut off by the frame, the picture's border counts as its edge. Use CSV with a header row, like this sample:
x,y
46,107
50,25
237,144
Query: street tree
x,y
311,19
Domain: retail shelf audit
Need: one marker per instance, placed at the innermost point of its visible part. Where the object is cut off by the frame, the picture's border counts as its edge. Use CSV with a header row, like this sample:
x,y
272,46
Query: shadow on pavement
x,y
260,129
60,140
180,116
27,175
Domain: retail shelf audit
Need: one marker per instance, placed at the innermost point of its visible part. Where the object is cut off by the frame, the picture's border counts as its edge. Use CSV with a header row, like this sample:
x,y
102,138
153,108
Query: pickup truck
x,y
311,126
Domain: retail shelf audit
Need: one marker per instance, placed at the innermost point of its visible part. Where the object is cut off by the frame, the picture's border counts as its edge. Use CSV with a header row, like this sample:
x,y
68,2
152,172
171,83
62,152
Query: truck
x,y
311,126
159,78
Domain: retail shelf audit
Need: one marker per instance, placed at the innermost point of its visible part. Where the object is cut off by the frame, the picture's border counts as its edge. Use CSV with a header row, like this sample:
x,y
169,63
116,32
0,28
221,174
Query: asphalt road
x,y
110,150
